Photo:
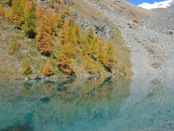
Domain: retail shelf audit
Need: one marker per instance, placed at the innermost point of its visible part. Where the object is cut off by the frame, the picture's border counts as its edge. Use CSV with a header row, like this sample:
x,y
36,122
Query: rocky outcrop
x,y
102,27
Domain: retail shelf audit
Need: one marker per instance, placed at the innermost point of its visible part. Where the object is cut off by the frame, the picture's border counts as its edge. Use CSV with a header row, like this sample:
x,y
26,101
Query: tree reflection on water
x,y
69,104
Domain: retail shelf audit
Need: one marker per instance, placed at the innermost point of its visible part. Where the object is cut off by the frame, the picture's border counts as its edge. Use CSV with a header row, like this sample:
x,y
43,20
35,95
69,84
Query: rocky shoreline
x,y
43,78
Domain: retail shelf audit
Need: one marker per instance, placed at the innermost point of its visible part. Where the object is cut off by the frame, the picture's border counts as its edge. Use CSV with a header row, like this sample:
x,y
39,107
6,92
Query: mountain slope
x,y
151,52
81,63
162,20
139,36
11,65
115,14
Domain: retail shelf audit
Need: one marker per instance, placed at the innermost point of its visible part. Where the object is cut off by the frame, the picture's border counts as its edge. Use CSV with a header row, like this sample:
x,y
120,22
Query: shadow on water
x,y
70,104
20,127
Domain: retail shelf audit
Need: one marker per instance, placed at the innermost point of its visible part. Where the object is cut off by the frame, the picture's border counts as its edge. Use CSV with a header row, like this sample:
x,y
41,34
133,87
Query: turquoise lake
x,y
142,103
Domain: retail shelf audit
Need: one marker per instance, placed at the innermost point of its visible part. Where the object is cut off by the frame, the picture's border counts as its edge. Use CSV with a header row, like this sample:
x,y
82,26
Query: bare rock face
x,y
83,22
162,20
101,27
104,29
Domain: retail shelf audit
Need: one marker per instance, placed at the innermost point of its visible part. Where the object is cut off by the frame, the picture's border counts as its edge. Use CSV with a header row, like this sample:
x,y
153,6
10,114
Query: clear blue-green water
x,y
143,103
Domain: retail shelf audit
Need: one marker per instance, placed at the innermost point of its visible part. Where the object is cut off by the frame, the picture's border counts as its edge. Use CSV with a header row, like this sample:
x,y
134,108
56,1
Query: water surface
x,y
142,103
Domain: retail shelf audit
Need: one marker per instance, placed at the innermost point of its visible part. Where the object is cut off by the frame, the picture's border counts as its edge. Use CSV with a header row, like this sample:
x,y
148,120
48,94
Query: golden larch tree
x,y
46,29
52,3
14,45
110,60
17,12
39,12
1,10
48,69
30,20
67,10
26,68
102,52
67,51
44,42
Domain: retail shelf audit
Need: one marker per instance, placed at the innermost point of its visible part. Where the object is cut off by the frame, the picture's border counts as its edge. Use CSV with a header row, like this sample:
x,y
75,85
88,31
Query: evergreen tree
x,y
1,10
14,45
57,6
50,22
58,1
4,12
10,2
68,49
17,12
7,14
60,20
47,27
64,33
67,10
39,12
77,32
11,48
110,61
65,60
30,20
90,34
44,42
48,69
71,21
52,3
101,52
92,44
89,64
34,2
26,68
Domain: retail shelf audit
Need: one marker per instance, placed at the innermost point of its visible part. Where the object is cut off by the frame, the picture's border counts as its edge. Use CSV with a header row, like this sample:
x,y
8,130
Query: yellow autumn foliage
x,y
48,69
14,45
26,68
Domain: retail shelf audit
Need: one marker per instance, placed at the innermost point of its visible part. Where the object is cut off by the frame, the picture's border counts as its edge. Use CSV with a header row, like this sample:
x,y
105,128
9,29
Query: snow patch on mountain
x,y
162,4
